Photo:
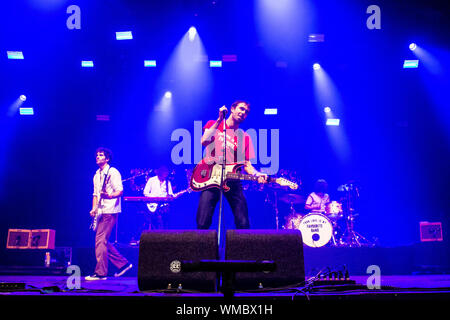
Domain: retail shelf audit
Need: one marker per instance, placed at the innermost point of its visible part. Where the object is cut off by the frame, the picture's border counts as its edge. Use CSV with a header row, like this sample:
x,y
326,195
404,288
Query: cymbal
x,y
292,198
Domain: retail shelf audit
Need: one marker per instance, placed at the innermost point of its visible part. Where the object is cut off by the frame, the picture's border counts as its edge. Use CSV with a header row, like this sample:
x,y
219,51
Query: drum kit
x,y
334,226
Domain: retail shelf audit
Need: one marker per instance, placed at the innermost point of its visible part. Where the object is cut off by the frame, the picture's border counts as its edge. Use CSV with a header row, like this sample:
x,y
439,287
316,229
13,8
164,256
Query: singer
x,y
237,151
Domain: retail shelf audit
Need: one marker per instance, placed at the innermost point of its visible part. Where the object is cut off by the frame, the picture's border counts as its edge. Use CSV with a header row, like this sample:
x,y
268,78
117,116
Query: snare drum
x,y
316,230
334,210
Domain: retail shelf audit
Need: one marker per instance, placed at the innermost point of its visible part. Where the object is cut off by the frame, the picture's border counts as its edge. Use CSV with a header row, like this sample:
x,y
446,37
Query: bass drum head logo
x,y
175,266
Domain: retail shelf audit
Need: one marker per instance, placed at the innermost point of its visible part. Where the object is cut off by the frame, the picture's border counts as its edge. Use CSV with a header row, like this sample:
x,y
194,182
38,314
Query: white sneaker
x,y
95,277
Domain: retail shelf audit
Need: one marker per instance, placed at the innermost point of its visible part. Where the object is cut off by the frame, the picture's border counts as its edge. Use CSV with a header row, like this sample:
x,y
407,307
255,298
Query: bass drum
x,y
316,230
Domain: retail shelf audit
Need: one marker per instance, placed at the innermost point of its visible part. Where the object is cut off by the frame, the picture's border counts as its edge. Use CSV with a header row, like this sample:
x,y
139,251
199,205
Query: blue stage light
x,y
215,64
316,37
23,97
15,55
327,109
270,111
168,95
410,64
87,64
26,111
333,122
124,35
149,63
316,66
412,46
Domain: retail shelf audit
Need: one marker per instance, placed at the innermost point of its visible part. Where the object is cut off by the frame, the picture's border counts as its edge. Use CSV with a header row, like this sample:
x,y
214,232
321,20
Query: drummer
x,y
317,201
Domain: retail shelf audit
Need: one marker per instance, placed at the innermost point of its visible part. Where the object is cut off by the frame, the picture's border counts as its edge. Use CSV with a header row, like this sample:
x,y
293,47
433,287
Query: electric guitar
x,y
207,174
96,218
152,207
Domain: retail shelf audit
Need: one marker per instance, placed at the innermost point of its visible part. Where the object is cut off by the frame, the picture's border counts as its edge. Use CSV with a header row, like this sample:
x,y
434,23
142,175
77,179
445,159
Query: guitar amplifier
x,y
42,239
430,231
18,239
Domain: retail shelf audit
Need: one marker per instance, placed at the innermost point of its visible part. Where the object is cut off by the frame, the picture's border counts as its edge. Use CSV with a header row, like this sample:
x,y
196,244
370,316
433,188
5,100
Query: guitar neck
x,y
249,177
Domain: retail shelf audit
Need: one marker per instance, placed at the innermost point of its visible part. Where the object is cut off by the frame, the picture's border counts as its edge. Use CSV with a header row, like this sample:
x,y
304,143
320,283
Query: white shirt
x,y
113,184
314,199
154,188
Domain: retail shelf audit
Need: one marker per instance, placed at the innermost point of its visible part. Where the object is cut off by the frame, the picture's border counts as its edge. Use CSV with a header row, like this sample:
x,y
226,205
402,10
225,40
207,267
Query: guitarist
x,y
106,206
158,186
239,149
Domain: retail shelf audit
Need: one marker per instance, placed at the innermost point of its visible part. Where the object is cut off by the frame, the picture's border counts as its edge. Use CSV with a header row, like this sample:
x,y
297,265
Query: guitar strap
x,y
104,183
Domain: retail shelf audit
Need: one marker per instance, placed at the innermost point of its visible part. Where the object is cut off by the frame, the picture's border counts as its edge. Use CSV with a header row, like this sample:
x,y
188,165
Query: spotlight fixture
x,y
168,95
23,97
192,33
412,46
316,66
327,109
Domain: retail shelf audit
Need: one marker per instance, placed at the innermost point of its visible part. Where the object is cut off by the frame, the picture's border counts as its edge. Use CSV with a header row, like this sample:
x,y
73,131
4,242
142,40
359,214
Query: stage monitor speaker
x,y
161,253
18,239
42,239
284,247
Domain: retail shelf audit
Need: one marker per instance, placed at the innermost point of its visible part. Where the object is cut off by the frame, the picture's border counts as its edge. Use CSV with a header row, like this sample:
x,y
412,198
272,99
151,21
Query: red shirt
x,y
239,144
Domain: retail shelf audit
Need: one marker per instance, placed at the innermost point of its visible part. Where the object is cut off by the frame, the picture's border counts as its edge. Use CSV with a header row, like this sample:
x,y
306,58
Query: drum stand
x,y
350,237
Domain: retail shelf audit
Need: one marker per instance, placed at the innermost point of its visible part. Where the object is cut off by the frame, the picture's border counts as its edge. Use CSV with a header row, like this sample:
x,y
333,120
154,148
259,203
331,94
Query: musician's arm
x,y
94,205
209,133
250,169
117,187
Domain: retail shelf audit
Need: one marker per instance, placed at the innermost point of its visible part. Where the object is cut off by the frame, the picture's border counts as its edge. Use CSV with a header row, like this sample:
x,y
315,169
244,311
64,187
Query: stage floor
x,y
128,287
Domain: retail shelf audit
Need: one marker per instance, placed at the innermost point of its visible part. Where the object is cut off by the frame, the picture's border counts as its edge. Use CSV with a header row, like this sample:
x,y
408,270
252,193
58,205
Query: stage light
x,y
412,46
316,66
316,38
168,95
23,97
271,111
102,117
192,33
15,55
87,64
327,109
26,111
215,64
229,58
149,63
410,64
124,35
333,122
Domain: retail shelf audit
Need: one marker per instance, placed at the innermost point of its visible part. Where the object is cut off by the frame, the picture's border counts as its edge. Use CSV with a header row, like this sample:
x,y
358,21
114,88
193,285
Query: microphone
x,y
224,113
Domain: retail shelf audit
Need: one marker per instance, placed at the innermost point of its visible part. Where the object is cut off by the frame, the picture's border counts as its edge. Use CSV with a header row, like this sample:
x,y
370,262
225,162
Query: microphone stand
x,y
219,231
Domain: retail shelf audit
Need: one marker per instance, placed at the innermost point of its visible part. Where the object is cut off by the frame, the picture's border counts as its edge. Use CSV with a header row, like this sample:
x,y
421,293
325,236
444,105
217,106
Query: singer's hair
x,y
321,186
107,152
234,105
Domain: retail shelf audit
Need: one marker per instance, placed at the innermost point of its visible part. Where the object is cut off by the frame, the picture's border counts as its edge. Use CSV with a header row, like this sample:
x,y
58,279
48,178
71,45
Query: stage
x,y
417,272
327,124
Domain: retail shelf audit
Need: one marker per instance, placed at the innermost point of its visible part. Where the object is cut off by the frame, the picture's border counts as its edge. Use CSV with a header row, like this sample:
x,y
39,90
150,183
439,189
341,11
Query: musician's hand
x,y
92,212
221,113
262,178
105,195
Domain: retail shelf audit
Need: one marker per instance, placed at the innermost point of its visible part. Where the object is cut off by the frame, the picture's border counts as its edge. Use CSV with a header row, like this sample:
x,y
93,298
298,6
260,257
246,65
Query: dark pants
x,y
236,199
